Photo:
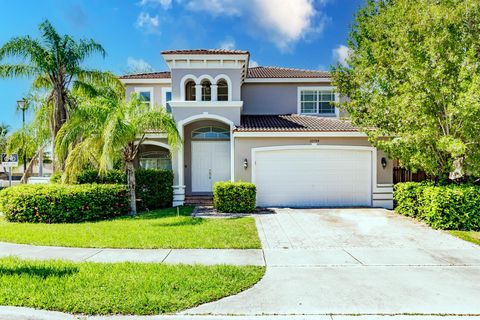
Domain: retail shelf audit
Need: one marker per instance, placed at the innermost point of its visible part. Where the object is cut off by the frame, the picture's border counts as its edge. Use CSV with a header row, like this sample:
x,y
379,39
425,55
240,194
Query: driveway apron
x,y
357,261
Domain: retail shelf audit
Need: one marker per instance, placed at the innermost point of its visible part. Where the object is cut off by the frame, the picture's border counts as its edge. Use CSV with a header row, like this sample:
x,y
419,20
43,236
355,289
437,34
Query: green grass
x,y
118,288
471,236
157,229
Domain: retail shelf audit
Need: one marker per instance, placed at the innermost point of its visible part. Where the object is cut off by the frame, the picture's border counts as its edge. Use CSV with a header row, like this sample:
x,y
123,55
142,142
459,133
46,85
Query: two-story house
x,y
275,127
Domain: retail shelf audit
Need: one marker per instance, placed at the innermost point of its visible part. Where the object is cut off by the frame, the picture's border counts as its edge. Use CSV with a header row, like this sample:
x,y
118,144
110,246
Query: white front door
x,y
210,163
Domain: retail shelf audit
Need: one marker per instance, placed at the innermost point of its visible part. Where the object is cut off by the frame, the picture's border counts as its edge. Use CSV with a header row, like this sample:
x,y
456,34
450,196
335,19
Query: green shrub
x,y
110,177
56,178
451,207
234,197
57,203
406,196
153,187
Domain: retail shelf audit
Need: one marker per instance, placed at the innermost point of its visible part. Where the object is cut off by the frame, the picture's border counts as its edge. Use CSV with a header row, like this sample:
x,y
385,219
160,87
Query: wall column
x,y
214,92
179,189
198,92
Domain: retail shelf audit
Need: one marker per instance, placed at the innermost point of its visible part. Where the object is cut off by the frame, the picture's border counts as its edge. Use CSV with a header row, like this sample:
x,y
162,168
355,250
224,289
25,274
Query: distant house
x,y
273,126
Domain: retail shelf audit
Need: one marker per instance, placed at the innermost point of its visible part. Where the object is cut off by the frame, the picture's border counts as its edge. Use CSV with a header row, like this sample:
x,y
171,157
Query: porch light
x,y
245,163
384,162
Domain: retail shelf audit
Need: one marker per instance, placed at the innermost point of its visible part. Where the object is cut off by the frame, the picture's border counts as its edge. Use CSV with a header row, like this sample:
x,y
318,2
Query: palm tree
x,y
54,62
108,127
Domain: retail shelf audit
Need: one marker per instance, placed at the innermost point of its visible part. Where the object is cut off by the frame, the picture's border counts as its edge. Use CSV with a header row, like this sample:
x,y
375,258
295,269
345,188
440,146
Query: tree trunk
x,y
131,186
59,118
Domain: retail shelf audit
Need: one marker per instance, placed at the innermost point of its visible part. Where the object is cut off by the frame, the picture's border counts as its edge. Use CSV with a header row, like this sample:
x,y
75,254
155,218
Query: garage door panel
x,y
313,177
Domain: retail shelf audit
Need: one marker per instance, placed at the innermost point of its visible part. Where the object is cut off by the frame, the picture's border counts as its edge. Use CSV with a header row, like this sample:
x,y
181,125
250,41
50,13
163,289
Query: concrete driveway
x,y
357,261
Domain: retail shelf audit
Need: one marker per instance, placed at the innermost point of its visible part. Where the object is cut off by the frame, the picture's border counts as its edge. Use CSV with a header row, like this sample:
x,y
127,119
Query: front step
x,y
198,201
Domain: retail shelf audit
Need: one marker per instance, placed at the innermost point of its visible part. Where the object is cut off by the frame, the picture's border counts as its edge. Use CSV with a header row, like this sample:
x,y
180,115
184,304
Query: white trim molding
x,y
298,134
149,90
157,143
288,80
229,84
183,81
317,88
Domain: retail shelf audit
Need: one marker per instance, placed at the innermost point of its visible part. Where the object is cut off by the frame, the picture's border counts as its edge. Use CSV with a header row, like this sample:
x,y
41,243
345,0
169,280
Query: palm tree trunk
x,y
131,186
59,118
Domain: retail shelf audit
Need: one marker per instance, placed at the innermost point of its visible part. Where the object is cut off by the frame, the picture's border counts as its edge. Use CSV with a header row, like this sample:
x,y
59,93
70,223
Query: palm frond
x,y
17,70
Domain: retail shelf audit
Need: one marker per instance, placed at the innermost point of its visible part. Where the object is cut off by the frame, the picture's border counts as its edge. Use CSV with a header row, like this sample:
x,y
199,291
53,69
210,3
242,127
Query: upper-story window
x,y
206,90
222,90
190,90
316,101
167,97
145,94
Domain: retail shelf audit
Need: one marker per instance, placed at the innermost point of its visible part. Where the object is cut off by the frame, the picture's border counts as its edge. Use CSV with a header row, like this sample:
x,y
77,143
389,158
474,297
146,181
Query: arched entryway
x,y
206,154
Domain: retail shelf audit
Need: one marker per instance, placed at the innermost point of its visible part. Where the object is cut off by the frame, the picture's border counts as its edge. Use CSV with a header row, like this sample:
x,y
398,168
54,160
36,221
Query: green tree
x,y
55,63
3,136
108,127
413,82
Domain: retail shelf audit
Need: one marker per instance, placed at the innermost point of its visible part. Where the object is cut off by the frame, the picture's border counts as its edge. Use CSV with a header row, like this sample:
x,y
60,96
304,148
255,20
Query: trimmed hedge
x,y
111,177
234,197
56,203
153,187
450,207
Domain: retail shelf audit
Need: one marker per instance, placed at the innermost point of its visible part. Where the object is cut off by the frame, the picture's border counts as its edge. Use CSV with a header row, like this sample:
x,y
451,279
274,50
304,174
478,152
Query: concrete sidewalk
x,y
184,256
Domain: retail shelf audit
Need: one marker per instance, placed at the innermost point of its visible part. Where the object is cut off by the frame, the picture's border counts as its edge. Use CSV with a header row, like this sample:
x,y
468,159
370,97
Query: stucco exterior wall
x,y
243,150
273,98
231,113
157,91
235,76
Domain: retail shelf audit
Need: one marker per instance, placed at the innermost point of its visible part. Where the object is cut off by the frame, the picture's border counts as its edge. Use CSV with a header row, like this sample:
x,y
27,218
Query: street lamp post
x,y
22,105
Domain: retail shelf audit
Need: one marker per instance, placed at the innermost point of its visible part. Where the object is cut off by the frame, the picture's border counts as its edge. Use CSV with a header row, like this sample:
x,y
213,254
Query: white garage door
x,y
313,177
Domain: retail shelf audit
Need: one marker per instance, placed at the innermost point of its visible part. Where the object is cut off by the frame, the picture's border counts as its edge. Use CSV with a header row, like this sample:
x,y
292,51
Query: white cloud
x,y
165,4
284,22
341,54
138,66
148,22
252,63
227,44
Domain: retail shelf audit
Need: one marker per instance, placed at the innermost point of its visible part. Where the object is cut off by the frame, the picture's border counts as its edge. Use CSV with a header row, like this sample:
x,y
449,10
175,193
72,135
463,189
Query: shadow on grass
x,y
181,223
38,271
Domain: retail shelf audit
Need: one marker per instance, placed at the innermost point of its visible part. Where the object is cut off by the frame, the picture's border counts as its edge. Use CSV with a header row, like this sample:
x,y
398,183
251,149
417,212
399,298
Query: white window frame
x,y
317,88
146,89
164,95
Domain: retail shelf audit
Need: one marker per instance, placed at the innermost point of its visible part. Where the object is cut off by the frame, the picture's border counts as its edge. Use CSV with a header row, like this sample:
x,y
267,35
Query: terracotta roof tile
x,y
149,75
205,51
278,72
293,122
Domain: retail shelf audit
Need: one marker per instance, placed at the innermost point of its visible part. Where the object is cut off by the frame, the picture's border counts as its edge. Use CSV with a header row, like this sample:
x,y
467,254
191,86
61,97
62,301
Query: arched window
x,y
206,90
211,133
156,160
190,90
222,90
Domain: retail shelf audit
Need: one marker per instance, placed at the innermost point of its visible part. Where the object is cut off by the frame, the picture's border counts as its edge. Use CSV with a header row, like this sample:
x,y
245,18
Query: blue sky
x,y
308,34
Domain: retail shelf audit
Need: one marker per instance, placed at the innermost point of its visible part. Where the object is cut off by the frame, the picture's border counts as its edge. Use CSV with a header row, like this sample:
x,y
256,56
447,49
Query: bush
x,y
234,197
56,178
406,196
153,187
451,207
56,203
111,177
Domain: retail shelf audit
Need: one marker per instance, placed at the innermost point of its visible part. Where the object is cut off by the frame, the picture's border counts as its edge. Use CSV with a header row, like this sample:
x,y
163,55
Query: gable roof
x,y
279,72
293,123
205,51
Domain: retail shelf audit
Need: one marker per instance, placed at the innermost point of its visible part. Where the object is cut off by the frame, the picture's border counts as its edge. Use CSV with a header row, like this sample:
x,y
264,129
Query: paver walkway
x,y
186,256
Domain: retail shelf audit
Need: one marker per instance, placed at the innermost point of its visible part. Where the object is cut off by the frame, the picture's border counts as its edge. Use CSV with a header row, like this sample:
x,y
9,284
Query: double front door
x,y
210,163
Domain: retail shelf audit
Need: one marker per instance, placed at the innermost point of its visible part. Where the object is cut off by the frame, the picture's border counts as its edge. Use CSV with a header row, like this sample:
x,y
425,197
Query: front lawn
x,y
118,288
157,229
471,236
